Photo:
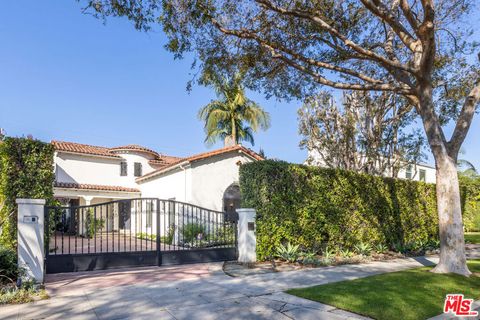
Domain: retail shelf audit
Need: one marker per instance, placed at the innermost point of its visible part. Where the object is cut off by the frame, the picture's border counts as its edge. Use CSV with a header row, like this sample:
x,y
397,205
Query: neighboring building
x,y
86,174
417,172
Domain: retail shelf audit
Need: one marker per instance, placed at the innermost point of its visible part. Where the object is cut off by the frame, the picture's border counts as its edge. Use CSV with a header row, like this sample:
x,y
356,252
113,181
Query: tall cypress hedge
x,y
26,171
317,207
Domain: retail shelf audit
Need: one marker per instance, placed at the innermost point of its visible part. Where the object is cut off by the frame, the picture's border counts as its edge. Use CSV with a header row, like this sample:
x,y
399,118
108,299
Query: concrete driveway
x,y
200,291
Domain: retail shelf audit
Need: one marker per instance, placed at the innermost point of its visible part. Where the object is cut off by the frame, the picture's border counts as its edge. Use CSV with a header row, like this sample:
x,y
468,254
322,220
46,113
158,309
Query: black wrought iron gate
x,y
136,232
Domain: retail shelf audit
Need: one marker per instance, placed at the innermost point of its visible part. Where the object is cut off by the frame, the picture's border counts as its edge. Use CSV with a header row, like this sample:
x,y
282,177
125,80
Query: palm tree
x,y
233,117
469,168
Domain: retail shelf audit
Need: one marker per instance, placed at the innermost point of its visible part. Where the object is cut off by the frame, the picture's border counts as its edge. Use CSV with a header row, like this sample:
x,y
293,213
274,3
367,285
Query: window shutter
x,y
123,168
138,169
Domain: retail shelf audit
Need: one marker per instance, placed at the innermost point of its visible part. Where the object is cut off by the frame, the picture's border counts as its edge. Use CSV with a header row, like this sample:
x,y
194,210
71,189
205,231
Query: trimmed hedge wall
x,y
26,171
470,191
317,207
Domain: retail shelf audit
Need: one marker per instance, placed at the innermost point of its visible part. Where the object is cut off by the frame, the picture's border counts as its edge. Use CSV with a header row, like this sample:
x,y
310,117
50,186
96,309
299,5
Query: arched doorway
x,y
231,202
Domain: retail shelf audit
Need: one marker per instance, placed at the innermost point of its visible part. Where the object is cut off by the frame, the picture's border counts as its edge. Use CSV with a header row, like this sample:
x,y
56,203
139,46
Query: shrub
x,y
168,239
346,254
317,207
381,248
310,258
146,236
8,265
191,232
363,249
93,225
289,253
28,292
470,197
328,256
26,171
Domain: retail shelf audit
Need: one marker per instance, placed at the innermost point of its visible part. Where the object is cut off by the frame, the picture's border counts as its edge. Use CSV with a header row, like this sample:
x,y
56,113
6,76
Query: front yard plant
x,y
12,290
289,253
405,295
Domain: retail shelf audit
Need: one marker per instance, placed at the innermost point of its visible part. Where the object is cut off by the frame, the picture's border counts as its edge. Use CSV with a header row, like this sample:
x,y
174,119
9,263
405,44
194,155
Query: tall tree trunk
x,y
234,132
452,242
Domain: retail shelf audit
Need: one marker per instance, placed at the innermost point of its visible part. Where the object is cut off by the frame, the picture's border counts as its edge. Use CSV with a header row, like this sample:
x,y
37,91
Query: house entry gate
x,y
136,232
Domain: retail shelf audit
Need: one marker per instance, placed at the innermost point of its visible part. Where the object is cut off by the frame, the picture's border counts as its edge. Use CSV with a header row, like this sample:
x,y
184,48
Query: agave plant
x,y
328,256
381,248
310,258
346,253
363,248
289,253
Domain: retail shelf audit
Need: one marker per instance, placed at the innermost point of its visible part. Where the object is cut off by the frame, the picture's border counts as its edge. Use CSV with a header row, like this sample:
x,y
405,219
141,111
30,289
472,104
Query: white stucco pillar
x,y
247,240
30,237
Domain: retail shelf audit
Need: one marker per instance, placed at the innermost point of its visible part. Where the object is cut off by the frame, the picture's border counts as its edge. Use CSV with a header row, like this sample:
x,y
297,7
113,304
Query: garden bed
x,y
236,269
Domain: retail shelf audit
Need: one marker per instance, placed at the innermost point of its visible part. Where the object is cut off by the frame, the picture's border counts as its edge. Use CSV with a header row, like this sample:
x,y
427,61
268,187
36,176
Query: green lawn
x,y
411,294
472,237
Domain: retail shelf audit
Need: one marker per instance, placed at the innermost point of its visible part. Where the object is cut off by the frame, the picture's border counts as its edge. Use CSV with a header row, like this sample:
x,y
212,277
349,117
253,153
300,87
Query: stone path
x,y
193,292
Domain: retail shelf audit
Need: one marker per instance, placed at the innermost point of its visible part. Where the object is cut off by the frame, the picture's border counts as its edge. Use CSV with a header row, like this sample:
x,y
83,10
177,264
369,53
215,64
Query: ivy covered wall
x,y
26,171
317,207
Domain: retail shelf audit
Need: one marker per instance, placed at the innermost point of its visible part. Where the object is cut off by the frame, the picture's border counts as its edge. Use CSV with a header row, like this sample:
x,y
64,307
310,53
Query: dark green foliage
x,y
318,208
190,231
92,225
168,239
26,171
8,265
470,192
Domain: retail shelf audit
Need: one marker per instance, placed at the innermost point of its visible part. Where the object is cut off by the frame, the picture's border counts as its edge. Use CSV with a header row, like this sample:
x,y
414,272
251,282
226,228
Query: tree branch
x,y
464,121
325,26
374,83
407,11
384,13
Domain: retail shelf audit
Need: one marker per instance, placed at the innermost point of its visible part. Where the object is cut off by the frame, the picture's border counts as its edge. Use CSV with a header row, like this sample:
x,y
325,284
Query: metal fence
x,y
144,225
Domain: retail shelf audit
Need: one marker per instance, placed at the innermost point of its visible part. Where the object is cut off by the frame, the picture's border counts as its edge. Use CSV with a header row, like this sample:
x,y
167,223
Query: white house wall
x,y
174,185
202,184
212,176
76,168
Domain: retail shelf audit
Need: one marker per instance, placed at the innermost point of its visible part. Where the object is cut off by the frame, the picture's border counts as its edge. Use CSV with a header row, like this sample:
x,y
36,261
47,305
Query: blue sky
x,y
67,76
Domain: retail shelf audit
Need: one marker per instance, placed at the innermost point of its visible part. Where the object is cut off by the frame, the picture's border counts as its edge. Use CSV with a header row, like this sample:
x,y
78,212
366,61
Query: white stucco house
x,y
86,174
417,172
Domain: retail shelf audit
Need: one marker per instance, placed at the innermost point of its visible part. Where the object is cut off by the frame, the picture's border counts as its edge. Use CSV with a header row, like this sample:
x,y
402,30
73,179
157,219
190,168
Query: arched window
x,y
231,201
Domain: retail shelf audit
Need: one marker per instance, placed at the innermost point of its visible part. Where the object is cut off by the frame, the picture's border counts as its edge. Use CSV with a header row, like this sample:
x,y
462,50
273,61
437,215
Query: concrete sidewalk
x,y
194,292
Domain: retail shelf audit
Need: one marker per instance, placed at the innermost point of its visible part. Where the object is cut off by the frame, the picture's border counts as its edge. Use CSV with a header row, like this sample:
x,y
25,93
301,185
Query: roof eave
x,y
154,174
89,154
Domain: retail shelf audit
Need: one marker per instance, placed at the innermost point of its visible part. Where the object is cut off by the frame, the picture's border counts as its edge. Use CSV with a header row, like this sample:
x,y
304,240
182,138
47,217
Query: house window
x,y
423,175
408,172
137,169
123,168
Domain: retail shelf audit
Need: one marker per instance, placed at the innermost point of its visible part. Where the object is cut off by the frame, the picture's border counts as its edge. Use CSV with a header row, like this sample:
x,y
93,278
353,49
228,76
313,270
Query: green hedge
x,y
26,171
470,191
316,207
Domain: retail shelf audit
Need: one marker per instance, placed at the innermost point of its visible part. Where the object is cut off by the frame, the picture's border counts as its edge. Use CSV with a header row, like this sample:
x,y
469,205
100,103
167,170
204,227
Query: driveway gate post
x,y
247,241
30,237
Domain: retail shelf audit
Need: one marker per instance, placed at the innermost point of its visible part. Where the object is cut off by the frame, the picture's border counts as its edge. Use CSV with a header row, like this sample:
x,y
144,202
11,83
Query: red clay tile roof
x,y
160,159
163,161
84,186
135,147
83,148
202,156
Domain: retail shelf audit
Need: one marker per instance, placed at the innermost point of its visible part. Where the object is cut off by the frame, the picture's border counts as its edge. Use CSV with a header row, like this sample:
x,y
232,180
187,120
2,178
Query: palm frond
x,y
462,163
